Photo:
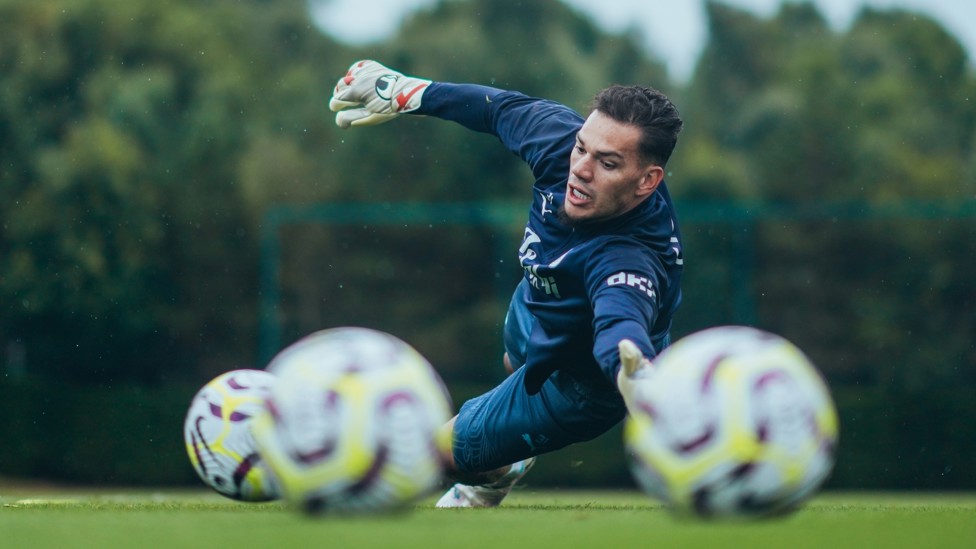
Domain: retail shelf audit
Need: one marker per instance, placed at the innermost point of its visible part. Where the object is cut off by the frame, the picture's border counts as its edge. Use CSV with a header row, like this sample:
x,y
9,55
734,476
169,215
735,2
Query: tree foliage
x,y
129,247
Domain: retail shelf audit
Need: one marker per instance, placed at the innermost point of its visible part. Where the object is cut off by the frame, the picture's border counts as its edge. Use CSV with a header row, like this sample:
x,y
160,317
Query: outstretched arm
x,y
537,130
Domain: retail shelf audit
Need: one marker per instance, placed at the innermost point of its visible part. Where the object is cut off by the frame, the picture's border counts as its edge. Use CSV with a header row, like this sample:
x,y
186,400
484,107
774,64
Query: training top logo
x,y
642,283
547,199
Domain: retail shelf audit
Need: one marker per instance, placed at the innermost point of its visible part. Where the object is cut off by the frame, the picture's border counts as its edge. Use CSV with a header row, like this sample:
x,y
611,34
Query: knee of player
x,y
445,445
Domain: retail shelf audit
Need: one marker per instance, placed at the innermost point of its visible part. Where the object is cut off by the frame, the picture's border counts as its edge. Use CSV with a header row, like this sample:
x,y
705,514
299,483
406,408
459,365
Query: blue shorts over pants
x,y
507,424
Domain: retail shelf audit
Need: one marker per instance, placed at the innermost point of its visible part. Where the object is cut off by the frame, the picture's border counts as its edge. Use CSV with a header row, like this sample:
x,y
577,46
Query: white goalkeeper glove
x,y
371,93
634,369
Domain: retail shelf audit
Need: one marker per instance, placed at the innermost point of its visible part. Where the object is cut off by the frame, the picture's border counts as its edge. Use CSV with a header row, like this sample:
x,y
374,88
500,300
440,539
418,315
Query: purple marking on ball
x,y
243,468
203,442
395,397
234,384
196,450
367,480
309,458
648,409
698,442
742,470
273,410
706,384
767,377
331,400
762,432
237,416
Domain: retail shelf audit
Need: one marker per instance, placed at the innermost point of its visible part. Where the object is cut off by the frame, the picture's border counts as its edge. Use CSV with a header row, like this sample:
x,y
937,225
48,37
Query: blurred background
x,y
176,202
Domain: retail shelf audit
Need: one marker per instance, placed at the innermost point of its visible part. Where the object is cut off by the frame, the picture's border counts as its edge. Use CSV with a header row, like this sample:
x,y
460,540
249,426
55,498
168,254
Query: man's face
x,y
607,177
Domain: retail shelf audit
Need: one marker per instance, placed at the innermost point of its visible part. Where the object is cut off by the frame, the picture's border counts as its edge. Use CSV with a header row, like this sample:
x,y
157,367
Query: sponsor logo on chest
x,y
527,258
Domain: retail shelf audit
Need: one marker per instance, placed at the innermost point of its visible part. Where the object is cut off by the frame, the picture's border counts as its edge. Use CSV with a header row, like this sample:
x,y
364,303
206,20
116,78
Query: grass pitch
x,y
528,518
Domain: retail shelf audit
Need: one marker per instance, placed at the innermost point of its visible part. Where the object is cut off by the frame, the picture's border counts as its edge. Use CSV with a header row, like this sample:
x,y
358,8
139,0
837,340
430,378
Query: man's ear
x,y
653,176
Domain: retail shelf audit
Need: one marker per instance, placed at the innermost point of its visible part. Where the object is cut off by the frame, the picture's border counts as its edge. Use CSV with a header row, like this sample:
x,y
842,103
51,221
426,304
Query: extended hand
x,y
371,93
634,369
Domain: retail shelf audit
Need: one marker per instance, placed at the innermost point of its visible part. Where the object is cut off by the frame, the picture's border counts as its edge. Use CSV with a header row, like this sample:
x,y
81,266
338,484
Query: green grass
x,y
529,518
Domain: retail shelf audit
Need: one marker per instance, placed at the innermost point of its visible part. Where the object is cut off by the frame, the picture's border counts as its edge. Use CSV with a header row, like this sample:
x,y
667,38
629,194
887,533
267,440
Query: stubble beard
x,y
564,217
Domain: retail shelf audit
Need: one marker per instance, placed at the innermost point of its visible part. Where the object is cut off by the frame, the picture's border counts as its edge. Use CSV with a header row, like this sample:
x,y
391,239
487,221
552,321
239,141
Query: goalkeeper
x,y
601,256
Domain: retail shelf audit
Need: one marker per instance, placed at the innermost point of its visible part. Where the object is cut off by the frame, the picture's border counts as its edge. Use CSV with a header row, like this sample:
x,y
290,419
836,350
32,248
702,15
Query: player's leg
x,y
487,488
481,488
490,476
478,485
509,426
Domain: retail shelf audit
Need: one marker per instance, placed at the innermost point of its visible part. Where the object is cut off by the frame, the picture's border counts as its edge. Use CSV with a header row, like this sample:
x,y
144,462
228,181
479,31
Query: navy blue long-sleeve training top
x,y
588,286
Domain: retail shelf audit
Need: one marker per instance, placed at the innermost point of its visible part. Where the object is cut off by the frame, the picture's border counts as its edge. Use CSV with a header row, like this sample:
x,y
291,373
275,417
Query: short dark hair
x,y
650,111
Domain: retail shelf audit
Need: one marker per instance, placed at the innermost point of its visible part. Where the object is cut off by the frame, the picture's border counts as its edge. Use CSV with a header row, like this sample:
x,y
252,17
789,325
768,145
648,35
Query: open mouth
x,y
577,196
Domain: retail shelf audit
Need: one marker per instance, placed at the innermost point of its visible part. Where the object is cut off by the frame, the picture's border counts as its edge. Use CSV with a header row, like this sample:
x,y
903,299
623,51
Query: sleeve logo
x,y
640,282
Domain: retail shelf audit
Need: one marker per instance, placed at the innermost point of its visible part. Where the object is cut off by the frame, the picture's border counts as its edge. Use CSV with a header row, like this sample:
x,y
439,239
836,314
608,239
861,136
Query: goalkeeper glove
x,y
371,93
634,368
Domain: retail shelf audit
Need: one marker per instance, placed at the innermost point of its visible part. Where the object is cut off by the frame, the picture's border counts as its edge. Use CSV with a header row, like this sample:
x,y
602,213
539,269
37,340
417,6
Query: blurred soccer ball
x,y
354,422
217,432
733,422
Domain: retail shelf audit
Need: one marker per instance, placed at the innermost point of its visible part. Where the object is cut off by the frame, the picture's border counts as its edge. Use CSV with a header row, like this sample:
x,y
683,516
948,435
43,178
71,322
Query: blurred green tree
x,y
129,245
